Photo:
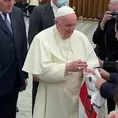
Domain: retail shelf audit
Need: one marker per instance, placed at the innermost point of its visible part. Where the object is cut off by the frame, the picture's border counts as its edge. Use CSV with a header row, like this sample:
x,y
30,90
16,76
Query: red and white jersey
x,y
91,104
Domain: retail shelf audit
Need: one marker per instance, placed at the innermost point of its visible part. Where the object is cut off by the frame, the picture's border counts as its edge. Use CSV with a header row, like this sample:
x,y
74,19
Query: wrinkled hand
x,y
76,66
113,115
107,16
104,74
35,78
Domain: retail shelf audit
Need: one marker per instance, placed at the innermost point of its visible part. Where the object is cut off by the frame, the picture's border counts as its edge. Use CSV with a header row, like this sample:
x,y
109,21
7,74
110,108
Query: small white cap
x,y
63,11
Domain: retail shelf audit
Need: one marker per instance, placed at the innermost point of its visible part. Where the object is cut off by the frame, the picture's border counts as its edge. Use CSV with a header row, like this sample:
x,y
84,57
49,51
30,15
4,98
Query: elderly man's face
x,y
66,25
6,5
113,6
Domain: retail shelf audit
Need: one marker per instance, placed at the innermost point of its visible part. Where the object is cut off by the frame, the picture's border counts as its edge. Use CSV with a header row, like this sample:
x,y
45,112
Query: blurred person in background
x,y
13,50
104,36
109,90
105,40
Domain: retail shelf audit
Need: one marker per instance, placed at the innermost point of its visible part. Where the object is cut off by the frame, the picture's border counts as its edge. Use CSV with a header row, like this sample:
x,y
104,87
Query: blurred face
x,y
66,25
6,5
113,6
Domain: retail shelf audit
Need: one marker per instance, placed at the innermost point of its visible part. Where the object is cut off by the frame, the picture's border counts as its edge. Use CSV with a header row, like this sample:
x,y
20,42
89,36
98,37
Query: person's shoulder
x,y
81,37
16,9
44,37
42,7
79,34
45,34
17,13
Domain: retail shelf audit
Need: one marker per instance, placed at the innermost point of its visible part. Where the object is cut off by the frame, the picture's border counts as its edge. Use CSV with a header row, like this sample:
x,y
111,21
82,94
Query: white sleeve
x,y
38,62
55,74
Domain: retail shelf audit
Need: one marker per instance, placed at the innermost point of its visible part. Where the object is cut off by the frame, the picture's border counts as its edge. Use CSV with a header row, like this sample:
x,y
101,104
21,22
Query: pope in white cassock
x,y
58,56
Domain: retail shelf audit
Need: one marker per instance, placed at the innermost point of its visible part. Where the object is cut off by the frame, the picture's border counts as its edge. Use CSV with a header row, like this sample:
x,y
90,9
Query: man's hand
x,y
35,78
76,66
107,16
113,115
99,83
104,74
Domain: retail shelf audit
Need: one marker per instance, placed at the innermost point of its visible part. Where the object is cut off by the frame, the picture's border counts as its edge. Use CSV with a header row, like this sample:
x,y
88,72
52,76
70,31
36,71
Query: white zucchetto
x,y
63,11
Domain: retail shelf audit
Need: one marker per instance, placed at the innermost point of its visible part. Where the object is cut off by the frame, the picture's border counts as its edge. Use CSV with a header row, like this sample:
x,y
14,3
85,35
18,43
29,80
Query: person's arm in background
x,y
107,90
99,34
109,66
34,24
24,49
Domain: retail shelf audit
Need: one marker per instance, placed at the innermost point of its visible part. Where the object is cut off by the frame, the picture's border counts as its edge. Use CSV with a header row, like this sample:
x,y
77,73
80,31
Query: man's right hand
x,y
105,75
107,16
76,66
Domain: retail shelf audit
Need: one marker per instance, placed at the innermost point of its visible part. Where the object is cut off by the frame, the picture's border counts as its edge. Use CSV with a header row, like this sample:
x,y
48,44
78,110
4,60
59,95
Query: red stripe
x,y
86,102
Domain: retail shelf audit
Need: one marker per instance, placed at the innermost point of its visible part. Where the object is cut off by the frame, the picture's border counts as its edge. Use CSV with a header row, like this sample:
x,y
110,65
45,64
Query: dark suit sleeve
x,y
24,46
34,24
110,66
114,78
99,35
108,90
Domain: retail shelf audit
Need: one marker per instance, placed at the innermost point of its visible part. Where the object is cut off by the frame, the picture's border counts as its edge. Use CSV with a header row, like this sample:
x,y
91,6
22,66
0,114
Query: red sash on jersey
x,y
85,99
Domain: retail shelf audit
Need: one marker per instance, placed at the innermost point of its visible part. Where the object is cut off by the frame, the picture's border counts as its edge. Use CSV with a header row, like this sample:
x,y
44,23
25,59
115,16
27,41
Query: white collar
x,y
2,12
7,16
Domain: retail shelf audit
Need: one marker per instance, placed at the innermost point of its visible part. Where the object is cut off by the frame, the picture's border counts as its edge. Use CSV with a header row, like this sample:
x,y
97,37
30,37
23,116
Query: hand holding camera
x,y
107,16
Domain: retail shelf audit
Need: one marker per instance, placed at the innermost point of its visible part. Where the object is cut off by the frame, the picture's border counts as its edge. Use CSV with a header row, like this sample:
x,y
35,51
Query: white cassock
x,y
58,92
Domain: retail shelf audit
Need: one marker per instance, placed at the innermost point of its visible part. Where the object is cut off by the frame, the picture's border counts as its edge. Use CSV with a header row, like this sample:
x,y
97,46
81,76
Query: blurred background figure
x,y
13,50
106,42
104,36
26,6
